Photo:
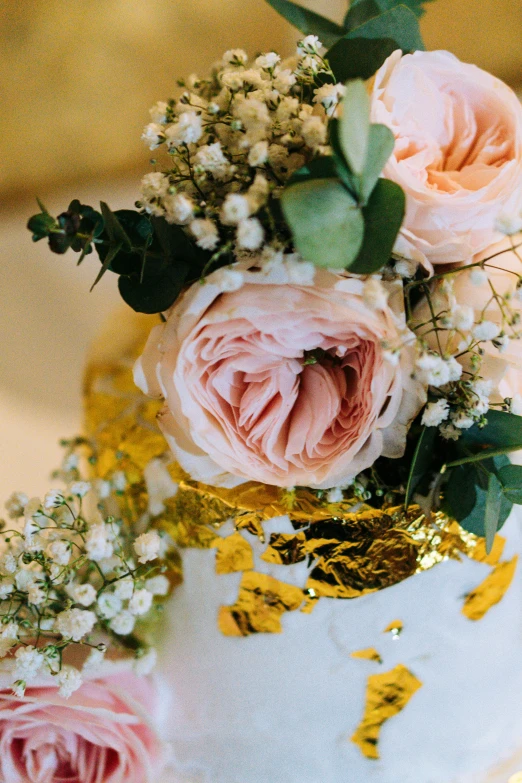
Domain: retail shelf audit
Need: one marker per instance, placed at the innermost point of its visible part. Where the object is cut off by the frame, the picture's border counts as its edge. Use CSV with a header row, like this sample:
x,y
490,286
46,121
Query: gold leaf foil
x,y
490,591
233,554
261,602
387,694
395,628
368,654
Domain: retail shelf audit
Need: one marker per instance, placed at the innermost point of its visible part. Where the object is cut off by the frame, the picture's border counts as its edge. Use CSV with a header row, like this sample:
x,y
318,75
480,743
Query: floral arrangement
x,y
332,244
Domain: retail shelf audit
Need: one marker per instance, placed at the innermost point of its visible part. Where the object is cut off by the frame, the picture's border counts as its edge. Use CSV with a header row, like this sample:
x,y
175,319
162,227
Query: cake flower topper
x,y
332,245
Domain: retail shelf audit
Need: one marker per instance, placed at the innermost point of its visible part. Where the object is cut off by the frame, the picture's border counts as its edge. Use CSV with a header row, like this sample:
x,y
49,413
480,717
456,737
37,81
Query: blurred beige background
x,y
77,81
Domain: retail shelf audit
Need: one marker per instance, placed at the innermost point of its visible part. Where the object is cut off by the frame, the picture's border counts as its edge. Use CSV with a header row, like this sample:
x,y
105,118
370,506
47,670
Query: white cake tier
x,y
281,708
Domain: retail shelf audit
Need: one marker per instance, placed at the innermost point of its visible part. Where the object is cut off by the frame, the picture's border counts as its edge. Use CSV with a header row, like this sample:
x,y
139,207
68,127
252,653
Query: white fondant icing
x,y
282,708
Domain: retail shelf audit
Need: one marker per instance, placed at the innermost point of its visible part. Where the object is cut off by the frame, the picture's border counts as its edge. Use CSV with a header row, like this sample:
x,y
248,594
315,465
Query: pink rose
x,y
458,152
101,734
280,382
470,298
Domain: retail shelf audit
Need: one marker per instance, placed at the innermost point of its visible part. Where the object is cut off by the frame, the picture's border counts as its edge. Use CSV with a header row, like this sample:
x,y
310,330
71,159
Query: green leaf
x,y
354,127
154,294
362,10
338,162
503,430
376,39
421,462
466,495
492,510
511,479
380,146
41,225
325,221
318,168
383,216
109,258
114,228
308,22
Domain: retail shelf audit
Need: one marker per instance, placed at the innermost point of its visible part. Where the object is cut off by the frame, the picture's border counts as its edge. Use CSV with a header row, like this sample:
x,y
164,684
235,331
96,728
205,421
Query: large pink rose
x,y
101,734
458,152
279,382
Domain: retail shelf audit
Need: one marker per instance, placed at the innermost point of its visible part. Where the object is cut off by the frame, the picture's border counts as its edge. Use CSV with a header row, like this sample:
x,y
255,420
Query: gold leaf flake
x,y
395,628
490,591
233,554
368,654
479,552
387,694
261,602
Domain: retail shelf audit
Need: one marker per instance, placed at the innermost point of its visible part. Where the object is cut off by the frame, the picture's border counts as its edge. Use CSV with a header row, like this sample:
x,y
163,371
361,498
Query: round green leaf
x,y
325,221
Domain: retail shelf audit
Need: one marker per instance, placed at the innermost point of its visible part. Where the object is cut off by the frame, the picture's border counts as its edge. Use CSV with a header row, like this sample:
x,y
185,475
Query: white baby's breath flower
x,y
329,96
250,234
109,605
454,368
516,405
153,135
75,623
449,432
313,131
284,81
236,207
435,413
406,267
229,279
393,357
179,208
124,588
252,113
6,588
123,623
335,495
28,662
232,80
140,602
147,546
311,44
258,154
24,578
462,420
158,585
301,272
33,508
53,499
158,112
187,130
8,564
16,504
502,342
35,595
97,544
69,680
486,330
59,551
154,185
434,371
210,158
119,480
205,232
461,317
478,276
8,637
268,61
80,488
235,57
84,594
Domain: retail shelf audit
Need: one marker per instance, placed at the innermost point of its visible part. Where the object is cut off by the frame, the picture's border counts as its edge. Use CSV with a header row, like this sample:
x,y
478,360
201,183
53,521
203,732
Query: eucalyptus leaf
x,y
397,28
153,294
492,510
325,221
113,227
421,462
354,126
380,146
318,168
40,225
109,258
308,22
503,430
466,495
361,10
338,162
383,216
511,479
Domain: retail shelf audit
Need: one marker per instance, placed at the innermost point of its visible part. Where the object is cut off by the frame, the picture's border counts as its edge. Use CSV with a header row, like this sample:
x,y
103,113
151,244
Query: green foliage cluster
x,y
153,260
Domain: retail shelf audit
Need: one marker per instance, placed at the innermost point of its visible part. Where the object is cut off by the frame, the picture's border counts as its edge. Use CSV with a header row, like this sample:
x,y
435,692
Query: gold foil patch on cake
x,y
261,602
387,694
490,591
368,654
233,553
395,628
